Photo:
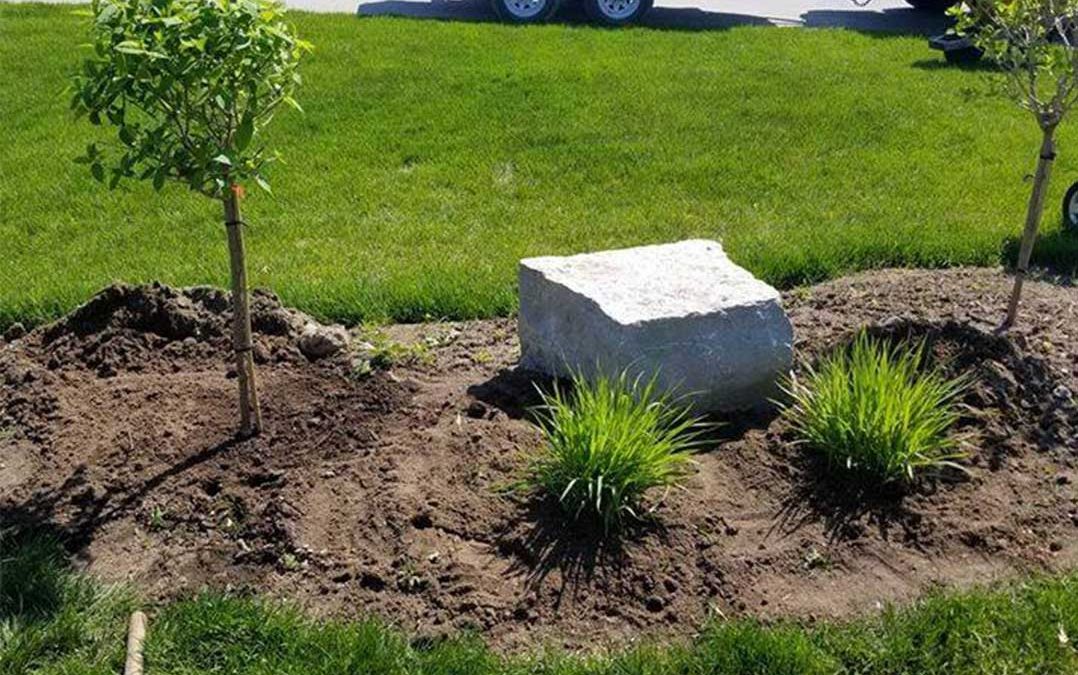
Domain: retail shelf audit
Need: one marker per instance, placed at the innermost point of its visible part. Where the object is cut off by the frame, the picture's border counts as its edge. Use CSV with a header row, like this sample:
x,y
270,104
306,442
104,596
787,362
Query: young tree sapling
x,y
188,85
1033,42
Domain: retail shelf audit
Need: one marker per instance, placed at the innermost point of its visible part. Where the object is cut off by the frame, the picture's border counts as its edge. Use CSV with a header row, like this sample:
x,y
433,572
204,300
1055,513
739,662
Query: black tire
x,y
525,11
1070,216
931,5
616,12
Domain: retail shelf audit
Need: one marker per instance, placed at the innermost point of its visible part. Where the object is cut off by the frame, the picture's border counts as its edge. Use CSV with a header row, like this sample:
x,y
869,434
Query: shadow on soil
x,y
514,391
845,506
95,508
570,552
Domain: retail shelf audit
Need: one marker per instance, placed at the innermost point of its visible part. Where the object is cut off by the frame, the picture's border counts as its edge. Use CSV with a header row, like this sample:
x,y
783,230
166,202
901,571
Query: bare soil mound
x,y
384,492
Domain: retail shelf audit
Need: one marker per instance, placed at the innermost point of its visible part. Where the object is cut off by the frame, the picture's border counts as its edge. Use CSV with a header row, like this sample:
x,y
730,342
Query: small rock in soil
x,y
317,342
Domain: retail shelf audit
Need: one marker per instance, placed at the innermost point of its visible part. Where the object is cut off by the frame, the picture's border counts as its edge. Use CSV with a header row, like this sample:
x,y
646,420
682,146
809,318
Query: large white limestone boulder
x,y
708,328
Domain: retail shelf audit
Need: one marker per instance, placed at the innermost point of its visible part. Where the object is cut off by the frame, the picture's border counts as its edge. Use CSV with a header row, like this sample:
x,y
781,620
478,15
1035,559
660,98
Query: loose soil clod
x,y
384,492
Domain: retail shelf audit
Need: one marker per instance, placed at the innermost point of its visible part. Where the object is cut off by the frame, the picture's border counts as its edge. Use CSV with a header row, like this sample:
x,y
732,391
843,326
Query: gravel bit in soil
x,y
383,491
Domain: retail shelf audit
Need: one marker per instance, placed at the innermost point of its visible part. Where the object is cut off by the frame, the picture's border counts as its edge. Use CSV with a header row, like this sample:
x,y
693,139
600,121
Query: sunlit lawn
x,y
433,155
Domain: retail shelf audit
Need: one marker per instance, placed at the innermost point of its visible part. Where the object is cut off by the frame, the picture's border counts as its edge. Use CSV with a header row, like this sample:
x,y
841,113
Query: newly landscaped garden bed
x,y
419,496
383,483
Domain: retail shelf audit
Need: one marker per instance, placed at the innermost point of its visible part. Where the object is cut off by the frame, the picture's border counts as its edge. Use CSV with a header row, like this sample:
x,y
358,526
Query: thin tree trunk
x,y
250,413
1033,219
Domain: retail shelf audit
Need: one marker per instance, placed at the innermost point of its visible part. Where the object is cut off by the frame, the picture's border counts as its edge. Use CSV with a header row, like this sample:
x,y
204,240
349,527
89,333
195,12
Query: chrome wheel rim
x,y
618,9
1072,210
525,9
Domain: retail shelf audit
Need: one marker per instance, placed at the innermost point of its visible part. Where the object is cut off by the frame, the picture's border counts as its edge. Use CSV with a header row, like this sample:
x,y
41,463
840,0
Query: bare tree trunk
x,y
250,412
1033,219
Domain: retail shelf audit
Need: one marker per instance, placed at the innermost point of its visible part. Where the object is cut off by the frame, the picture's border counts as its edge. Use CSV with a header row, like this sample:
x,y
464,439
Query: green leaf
x,y
186,65
245,131
262,183
98,172
135,48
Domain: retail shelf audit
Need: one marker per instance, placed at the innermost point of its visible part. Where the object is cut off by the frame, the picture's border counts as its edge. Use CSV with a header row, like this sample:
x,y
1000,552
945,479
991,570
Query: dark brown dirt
x,y
383,493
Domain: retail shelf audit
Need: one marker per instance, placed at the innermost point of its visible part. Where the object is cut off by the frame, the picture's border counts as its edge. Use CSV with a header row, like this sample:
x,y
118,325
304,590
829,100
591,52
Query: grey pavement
x,y
876,15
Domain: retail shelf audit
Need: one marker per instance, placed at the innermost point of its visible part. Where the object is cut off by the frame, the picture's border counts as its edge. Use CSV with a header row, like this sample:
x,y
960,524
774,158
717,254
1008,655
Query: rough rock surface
x,y
317,342
685,311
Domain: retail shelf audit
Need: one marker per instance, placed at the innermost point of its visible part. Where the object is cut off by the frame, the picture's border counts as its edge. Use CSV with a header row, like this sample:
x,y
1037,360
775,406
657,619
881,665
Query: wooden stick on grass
x,y
136,635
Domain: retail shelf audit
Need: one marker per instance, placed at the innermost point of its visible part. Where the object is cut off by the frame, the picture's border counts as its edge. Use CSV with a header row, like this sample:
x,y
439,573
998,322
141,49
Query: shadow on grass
x,y
33,574
1055,251
970,65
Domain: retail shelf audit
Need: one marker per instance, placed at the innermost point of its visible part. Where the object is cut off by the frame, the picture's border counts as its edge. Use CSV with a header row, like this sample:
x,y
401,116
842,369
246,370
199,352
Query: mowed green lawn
x,y
433,155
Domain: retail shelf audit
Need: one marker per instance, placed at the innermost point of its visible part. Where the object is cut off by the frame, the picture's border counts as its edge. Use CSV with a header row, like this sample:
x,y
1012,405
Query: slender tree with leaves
x,y
1034,44
188,85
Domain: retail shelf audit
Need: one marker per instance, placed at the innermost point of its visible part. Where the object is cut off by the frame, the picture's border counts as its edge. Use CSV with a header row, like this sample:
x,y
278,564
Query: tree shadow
x,y
89,509
33,573
1055,252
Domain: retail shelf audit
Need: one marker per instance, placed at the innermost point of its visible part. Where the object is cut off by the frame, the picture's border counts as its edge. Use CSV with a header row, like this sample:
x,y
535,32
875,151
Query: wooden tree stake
x,y
136,636
250,412
1033,219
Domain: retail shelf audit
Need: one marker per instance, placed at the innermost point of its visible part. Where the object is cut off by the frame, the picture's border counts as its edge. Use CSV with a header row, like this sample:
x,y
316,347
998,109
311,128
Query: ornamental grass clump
x,y
610,441
874,409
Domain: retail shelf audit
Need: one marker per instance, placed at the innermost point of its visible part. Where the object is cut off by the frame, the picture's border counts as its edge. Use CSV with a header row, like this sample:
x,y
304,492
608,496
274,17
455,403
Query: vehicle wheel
x,y
1070,209
930,5
525,11
616,12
